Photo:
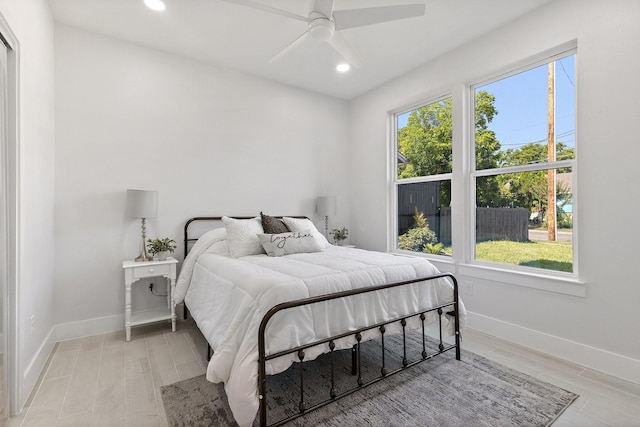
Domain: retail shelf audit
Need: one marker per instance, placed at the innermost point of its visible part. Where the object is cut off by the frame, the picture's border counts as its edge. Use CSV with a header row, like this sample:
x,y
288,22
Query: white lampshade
x,y
326,205
141,204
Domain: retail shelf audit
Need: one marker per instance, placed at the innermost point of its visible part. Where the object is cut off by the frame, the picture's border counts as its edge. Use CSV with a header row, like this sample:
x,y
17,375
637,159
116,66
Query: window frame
x,y
392,234
463,184
470,238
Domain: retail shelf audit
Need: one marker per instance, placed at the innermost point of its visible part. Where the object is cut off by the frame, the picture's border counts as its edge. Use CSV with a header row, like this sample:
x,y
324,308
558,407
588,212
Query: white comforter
x,y
228,298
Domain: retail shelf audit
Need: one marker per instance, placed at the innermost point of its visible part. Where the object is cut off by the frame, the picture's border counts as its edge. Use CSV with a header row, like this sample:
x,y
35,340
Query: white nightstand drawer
x,y
152,270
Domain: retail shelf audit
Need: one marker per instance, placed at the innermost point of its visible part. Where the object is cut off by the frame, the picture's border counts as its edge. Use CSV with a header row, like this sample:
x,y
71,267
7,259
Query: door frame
x,y
11,297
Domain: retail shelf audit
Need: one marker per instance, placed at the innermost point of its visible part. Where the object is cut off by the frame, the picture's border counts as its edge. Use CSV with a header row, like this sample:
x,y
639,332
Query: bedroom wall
x,y
598,330
212,141
32,24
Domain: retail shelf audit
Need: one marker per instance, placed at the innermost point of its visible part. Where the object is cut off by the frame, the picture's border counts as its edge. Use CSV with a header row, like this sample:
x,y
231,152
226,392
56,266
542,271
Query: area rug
x,y
438,392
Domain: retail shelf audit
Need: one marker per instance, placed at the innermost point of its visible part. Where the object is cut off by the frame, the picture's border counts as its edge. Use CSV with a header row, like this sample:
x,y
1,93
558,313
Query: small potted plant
x,y
339,235
159,248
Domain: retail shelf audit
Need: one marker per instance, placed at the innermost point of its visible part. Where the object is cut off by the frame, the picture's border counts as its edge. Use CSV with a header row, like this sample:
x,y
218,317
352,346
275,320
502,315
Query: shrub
x,y
436,249
417,237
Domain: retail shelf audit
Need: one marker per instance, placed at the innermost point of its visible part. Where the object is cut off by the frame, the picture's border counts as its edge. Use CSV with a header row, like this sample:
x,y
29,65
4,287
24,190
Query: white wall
x,y
32,24
227,143
212,142
601,329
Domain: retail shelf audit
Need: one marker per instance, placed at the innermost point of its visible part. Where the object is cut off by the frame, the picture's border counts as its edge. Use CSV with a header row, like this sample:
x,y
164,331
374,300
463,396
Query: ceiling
x,y
241,38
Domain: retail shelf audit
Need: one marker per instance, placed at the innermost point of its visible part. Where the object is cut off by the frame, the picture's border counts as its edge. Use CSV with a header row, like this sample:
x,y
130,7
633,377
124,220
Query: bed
x,y
262,312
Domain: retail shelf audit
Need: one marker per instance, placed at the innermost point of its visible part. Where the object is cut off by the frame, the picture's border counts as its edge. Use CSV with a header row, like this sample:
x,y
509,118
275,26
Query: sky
x,y
521,101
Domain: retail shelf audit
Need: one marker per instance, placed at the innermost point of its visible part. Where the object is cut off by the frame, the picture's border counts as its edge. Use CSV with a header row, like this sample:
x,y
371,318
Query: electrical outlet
x,y
467,287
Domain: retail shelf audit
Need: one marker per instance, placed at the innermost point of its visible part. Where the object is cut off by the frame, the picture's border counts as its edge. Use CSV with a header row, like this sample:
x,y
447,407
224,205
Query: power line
x,y
565,73
560,135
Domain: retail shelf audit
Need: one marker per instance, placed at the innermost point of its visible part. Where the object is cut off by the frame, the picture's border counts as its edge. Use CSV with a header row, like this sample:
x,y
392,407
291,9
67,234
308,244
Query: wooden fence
x,y
491,223
502,224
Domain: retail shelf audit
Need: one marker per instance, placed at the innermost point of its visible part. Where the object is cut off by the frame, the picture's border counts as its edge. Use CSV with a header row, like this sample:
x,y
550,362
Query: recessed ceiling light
x,y
155,4
343,68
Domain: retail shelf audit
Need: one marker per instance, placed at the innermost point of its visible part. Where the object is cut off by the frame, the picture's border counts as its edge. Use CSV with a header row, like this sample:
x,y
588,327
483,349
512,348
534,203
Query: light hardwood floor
x,y
105,381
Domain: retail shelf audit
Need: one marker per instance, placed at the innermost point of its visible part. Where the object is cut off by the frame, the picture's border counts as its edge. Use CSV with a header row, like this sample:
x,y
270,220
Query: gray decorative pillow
x,y
273,225
289,243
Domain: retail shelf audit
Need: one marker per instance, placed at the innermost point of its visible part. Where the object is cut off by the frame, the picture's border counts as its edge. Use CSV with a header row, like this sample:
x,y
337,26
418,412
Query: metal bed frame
x,y
334,394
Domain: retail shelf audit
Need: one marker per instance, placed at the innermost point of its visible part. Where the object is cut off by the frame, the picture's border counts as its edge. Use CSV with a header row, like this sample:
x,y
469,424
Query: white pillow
x,y
242,235
305,224
289,243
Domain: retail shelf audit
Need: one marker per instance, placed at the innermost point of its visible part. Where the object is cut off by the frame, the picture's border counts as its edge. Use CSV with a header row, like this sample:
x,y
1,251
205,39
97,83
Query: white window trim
x,y
394,181
558,283
542,166
469,238
463,190
559,52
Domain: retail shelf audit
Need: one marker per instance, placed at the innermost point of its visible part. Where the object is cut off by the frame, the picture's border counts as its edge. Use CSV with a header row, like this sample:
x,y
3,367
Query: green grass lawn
x,y
536,253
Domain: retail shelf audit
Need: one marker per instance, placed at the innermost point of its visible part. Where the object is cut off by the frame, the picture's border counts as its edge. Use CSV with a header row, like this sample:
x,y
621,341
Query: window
x,y
423,178
524,149
513,193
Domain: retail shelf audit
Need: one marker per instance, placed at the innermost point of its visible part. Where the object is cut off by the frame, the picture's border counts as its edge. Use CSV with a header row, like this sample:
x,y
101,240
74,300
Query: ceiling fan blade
x,y
269,9
346,50
325,7
290,47
374,15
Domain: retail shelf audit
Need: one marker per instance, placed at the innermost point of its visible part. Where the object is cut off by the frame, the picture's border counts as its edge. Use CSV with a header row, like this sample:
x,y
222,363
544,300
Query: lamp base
x,y
143,258
326,226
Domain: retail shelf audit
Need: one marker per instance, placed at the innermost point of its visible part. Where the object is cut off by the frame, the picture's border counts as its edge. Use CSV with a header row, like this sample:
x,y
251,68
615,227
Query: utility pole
x,y
551,153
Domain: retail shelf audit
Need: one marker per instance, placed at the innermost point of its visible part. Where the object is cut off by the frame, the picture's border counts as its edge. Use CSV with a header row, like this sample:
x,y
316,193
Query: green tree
x,y
529,189
426,141
525,189
534,153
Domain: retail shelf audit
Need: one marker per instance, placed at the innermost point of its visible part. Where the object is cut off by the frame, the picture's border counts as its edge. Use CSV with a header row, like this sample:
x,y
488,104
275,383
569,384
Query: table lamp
x,y
142,204
325,206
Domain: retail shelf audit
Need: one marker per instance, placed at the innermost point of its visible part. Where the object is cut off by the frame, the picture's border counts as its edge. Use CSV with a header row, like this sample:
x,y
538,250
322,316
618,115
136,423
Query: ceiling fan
x,y
325,24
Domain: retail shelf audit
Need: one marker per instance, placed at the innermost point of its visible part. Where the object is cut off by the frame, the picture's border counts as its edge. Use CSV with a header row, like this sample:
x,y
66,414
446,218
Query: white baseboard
x,y
35,367
89,327
581,354
590,357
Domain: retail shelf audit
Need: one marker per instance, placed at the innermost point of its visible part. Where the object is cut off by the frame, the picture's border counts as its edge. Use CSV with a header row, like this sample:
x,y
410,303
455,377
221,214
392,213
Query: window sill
x,y
566,285
561,285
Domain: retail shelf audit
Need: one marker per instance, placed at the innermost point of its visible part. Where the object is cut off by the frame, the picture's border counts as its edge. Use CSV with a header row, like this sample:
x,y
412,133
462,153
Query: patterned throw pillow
x,y
289,243
273,225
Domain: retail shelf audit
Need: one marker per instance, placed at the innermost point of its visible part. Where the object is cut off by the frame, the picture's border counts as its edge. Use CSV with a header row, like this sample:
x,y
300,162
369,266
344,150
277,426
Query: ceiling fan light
x,y
343,68
155,4
321,29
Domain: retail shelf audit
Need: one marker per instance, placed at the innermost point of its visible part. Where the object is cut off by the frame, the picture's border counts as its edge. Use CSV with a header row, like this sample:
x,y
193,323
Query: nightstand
x,y
133,272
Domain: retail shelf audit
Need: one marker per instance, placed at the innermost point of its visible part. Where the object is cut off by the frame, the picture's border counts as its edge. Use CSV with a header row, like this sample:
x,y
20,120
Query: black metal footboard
x,y
450,308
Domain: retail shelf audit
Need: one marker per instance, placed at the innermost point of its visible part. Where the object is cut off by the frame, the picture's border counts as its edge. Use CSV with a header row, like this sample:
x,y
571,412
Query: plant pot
x,y
162,256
